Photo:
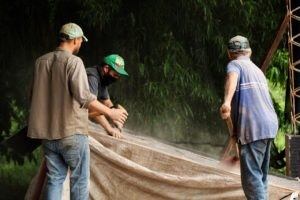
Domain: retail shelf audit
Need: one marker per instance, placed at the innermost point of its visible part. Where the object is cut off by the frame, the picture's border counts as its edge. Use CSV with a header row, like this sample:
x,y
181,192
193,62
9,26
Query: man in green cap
x,y
60,101
99,78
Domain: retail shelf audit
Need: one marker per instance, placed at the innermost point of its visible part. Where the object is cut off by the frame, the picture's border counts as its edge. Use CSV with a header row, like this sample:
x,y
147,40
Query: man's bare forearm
x,y
101,120
97,107
107,102
230,87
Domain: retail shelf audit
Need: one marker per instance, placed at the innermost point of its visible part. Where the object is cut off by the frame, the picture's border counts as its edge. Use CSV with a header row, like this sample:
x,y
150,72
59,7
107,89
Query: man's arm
x,y
97,108
107,102
93,116
230,87
106,125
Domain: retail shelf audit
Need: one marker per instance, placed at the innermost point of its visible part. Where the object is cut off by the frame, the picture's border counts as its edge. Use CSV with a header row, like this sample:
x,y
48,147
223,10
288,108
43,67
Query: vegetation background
x,y
175,53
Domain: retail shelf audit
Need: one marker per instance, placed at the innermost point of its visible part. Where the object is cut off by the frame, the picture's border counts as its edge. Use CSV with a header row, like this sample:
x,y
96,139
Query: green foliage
x,y
17,119
277,76
278,69
14,178
175,53
180,61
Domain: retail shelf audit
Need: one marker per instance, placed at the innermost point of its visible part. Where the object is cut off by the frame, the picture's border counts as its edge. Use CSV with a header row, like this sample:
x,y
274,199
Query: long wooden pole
x,y
280,31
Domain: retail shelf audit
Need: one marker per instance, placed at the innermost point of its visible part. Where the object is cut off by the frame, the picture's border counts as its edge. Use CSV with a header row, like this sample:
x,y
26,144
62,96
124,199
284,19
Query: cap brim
x,y
120,71
85,38
238,50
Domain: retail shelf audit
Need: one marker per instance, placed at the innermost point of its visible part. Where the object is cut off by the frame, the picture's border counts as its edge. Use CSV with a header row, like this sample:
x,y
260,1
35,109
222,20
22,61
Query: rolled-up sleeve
x,y
79,84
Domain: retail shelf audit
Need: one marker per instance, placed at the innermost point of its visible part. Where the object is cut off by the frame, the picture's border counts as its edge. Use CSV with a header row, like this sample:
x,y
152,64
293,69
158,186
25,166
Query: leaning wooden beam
x,y
280,31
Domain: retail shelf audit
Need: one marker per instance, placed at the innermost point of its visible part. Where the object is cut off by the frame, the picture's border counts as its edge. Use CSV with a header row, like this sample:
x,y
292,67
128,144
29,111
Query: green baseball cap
x,y
116,62
73,31
238,43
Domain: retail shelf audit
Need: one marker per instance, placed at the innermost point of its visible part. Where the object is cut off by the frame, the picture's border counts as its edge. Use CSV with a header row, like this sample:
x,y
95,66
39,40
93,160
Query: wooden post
x,y
292,152
280,31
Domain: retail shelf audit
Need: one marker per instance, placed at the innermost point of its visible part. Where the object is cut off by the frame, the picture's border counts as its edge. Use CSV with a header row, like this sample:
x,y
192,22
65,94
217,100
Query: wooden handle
x,y
232,140
229,126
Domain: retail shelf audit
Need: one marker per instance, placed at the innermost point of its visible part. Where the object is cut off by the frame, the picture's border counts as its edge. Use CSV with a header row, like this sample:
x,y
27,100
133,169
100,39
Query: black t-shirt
x,y
94,80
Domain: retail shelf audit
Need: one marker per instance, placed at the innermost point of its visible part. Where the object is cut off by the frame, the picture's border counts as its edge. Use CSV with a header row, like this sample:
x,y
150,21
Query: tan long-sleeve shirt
x,y
60,97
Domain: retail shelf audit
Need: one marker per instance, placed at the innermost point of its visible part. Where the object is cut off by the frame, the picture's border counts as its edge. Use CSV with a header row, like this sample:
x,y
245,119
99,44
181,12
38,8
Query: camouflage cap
x,y
238,43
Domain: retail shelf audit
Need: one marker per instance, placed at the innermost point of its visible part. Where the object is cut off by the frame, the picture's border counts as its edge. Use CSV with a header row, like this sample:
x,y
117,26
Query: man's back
x,y
253,111
59,93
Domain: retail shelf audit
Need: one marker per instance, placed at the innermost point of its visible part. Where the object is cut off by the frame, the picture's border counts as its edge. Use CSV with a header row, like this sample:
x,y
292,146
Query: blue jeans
x,y
71,152
254,159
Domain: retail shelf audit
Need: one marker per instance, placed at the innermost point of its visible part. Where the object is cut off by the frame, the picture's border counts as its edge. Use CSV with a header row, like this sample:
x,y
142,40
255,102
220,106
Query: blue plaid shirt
x,y
254,117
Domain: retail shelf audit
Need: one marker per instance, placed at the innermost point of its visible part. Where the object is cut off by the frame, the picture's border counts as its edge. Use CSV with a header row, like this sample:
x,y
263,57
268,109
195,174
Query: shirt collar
x,y
61,49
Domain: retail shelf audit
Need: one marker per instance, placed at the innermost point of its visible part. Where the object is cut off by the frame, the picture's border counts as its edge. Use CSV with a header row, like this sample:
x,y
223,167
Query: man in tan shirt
x,y
60,100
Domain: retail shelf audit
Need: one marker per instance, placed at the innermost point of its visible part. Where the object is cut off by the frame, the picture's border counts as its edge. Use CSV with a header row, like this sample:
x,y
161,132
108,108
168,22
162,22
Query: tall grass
x,y
15,178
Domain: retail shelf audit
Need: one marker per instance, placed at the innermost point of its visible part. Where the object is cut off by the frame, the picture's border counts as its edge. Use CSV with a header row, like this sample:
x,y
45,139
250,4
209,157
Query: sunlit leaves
x,y
278,69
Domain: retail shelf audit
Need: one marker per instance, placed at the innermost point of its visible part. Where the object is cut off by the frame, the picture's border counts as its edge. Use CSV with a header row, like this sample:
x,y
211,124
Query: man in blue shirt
x,y
255,122
99,78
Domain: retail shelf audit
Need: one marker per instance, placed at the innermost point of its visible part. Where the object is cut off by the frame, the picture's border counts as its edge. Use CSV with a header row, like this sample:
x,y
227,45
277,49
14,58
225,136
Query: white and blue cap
x,y
238,43
73,31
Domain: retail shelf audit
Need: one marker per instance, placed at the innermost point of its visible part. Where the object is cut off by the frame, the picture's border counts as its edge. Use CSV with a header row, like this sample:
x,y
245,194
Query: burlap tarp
x,y
141,168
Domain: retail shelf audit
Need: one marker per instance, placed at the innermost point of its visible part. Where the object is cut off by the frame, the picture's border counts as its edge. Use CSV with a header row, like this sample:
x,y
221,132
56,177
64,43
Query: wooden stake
x,y
280,31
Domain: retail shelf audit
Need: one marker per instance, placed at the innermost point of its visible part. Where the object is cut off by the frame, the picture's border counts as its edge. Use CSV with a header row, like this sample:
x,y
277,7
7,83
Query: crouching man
x,y
100,77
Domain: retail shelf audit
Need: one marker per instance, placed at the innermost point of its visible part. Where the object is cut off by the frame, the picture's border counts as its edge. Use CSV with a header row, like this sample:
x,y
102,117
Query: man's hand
x,y
225,110
121,107
116,123
118,115
114,132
